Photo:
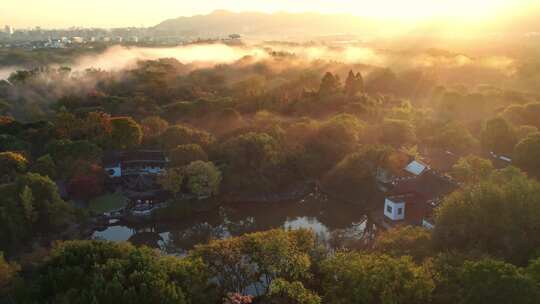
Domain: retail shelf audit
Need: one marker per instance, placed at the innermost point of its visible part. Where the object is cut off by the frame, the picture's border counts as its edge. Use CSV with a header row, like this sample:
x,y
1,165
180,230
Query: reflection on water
x,y
335,224
114,233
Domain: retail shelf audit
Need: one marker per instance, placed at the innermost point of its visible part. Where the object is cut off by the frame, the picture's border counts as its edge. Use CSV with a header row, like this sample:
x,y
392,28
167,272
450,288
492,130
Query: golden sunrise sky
x,y
119,13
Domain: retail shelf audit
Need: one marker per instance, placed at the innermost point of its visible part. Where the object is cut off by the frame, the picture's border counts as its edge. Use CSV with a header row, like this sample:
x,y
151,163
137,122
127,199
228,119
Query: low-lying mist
x,y
118,58
274,64
6,71
204,55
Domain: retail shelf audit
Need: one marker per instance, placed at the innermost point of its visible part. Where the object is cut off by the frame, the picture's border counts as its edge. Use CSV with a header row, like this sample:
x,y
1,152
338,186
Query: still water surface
x,y
336,224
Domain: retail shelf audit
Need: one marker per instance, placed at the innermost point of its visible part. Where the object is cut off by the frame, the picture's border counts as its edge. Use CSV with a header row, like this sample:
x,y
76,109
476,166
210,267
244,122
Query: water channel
x,y
336,224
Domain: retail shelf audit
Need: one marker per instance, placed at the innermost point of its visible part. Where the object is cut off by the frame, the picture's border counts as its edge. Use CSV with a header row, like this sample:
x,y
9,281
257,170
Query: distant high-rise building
x,y
77,40
9,29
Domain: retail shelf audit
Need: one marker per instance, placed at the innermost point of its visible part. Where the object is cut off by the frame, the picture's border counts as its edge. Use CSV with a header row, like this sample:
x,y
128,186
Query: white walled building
x,y
141,162
394,208
413,200
114,170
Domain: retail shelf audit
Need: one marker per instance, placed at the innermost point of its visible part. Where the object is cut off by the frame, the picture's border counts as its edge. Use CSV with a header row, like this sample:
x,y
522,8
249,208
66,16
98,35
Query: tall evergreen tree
x,y
330,84
354,84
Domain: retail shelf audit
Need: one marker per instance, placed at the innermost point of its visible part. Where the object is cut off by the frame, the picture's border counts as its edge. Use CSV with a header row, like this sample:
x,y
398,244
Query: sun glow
x,y
148,13
429,9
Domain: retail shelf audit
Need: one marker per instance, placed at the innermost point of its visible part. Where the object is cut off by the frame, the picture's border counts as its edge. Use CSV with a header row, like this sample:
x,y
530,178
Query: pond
x,y
336,224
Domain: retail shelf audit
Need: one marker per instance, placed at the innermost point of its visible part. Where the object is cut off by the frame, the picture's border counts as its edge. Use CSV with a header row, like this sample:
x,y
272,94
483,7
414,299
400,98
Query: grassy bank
x,y
107,202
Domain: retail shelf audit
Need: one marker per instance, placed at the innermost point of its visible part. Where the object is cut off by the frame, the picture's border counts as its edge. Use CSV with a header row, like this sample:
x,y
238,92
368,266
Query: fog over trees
x,y
212,125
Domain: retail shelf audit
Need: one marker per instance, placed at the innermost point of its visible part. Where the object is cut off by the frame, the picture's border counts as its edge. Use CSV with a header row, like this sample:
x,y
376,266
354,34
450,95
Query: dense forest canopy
x,y
261,120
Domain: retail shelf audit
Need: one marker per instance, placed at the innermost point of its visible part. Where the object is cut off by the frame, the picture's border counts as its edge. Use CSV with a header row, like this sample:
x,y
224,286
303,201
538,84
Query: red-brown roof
x,y
429,185
415,207
418,192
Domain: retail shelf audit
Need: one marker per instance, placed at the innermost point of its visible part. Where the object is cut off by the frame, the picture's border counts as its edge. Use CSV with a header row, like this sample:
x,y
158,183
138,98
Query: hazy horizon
x,y
125,13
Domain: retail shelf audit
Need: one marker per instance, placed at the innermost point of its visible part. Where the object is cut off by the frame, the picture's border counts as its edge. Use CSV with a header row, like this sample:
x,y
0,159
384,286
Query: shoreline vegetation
x,y
176,211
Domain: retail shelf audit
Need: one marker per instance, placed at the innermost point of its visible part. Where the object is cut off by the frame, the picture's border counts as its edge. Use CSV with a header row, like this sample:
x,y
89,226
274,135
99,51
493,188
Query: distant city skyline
x,y
143,13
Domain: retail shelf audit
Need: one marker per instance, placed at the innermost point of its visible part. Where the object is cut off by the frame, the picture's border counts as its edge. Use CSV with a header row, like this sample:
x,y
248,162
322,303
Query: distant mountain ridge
x,y
283,24
222,22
